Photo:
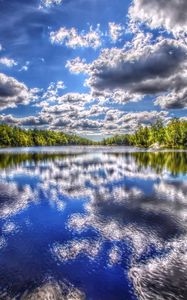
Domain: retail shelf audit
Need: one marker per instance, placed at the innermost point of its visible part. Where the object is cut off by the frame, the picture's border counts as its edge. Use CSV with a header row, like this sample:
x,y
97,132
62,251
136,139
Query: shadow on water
x,y
73,222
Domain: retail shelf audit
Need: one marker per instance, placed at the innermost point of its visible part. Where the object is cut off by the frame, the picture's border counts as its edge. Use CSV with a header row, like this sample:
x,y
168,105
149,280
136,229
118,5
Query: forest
x,y
173,135
17,137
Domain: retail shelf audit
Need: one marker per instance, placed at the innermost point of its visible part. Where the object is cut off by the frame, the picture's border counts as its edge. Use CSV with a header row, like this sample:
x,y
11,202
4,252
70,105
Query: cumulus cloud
x,y
75,98
132,120
13,92
73,39
95,120
49,3
76,112
30,121
71,114
68,114
175,99
142,69
52,92
171,15
86,124
139,72
34,121
77,65
80,112
70,102
7,62
115,31
8,119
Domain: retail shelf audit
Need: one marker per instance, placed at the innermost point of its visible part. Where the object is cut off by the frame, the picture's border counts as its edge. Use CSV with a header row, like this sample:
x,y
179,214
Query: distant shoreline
x,y
84,148
155,137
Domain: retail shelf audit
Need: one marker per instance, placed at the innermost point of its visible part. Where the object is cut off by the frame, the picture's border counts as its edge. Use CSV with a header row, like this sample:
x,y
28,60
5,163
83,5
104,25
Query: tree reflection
x,y
174,162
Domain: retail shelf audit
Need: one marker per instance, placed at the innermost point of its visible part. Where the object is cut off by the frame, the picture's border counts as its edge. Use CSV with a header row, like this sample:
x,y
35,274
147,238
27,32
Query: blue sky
x,y
92,67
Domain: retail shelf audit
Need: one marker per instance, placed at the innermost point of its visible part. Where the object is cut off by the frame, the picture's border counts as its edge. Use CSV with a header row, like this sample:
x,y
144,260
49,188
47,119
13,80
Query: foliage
x,y
117,140
17,137
174,135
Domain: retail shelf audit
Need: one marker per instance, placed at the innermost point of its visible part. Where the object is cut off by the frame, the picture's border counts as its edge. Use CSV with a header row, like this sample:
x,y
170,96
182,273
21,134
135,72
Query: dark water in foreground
x,y
99,225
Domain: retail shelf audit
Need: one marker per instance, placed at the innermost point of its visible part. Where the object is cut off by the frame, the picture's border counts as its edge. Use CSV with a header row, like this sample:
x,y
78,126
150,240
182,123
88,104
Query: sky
x,y
92,67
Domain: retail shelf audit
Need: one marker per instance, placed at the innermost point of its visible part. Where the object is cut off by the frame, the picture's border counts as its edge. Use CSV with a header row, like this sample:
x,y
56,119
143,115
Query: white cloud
x,y
49,3
175,99
77,66
136,70
144,67
75,98
171,15
8,62
79,112
13,92
25,67
8,119
52,92
131,120
73,39
115,31
75,118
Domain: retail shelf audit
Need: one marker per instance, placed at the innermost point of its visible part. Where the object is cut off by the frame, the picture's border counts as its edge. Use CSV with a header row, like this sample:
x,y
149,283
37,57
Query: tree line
x,y
173,135
17,137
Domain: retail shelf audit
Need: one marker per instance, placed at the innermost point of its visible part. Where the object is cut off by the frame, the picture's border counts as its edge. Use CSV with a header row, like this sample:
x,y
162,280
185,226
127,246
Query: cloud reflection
x,y
126,198
72,249
55,291
13,199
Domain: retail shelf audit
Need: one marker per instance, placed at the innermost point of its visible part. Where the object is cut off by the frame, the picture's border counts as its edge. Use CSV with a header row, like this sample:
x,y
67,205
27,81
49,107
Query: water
x,y
95,223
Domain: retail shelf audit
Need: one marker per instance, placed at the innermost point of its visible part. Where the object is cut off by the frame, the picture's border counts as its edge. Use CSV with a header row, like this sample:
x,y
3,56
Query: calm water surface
x,y
102,224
